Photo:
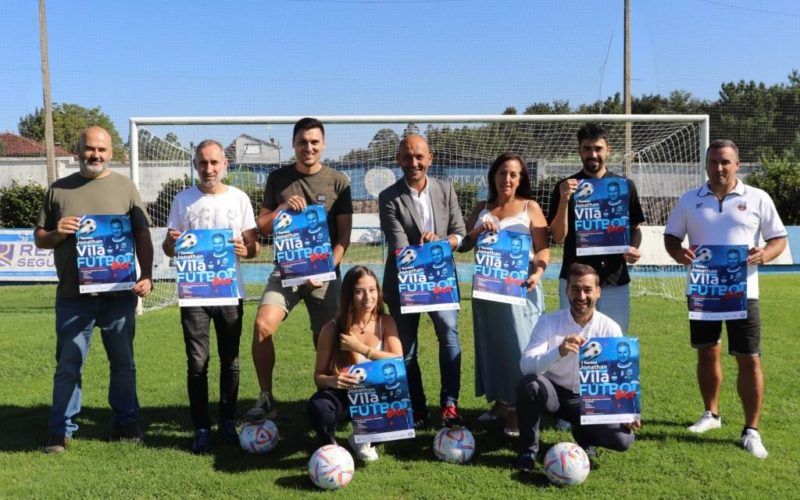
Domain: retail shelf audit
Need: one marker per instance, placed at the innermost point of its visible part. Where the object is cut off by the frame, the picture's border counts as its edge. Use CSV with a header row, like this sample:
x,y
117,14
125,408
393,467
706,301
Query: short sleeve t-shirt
x,y
613,269
194,209
326,187
76,196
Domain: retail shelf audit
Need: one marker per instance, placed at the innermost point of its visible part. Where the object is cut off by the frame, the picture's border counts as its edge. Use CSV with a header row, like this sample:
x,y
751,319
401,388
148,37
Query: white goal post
x,y
663,154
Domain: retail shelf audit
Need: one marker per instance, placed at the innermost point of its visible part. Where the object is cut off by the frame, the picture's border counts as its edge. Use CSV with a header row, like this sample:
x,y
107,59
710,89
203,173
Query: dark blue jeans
x,y
445,324
76,319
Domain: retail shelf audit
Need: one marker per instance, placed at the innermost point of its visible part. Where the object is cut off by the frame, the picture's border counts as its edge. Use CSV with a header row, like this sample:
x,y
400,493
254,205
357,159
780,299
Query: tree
x,y
780,178
69,120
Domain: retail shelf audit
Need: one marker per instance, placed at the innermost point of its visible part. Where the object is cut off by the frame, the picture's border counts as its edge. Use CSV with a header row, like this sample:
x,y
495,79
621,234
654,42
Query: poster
x,y
501,267
380,406
302,246
609,380
206,268
105,249
602,221
426,278
717,284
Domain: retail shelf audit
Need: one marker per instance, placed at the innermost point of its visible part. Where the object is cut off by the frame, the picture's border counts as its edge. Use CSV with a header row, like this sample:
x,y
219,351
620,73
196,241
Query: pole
x,y
627,90
49,142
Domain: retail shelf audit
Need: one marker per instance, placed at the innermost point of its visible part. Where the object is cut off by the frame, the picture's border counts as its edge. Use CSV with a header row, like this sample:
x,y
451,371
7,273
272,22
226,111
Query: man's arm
x,y
250,244
144,253
344,227
536,358
674,248
390,225
561,196
65,227
773,248
455,227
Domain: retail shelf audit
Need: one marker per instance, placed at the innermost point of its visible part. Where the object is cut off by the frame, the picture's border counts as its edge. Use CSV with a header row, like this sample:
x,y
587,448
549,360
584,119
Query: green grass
x,y
664,462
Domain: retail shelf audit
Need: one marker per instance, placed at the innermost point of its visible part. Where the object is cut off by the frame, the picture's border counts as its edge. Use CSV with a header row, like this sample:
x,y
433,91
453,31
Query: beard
x,y
91,170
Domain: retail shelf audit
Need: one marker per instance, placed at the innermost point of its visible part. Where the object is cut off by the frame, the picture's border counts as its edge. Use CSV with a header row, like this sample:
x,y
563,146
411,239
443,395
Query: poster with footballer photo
x,y
609,381
302,246
380,406
206,268
602,220
501,267
106,254
426,276
717,283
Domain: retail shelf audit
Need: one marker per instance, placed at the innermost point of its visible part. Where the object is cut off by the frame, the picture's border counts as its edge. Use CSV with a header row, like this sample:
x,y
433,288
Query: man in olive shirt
x,y
93,190
294,187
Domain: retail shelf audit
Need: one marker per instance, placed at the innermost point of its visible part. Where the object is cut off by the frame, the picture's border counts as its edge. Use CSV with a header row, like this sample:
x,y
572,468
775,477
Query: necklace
x,y
362,326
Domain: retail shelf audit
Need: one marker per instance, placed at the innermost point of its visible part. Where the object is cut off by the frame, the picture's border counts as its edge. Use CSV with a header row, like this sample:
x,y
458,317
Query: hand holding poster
x,y
501,267
380,406
302,246
602,221
206,268
106,262
426,278
717,285
609,380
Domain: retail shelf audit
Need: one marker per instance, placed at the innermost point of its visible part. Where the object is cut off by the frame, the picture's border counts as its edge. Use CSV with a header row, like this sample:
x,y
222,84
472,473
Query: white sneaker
x,y
706,423
364,451
751,441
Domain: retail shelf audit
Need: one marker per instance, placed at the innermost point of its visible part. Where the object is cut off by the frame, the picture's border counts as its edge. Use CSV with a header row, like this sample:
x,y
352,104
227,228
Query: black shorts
x,y
744,335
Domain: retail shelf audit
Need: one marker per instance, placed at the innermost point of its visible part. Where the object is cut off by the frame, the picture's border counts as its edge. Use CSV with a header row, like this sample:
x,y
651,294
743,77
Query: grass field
x,y
664,462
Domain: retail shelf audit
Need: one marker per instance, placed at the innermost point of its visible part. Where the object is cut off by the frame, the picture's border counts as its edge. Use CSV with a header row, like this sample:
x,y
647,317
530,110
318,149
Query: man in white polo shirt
x,y
726,211
550,370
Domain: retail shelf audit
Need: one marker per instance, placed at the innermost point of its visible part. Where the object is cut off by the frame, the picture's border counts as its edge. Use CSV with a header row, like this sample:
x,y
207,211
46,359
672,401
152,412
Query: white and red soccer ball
x,y
258,438
566,464
454,444
331,467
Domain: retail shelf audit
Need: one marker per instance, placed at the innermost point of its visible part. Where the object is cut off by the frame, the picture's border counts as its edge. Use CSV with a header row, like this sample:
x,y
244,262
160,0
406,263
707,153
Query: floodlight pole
x,y
49,142
627,90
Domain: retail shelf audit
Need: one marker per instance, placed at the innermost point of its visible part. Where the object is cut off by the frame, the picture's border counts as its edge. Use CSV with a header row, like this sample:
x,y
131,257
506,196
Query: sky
x,y
342,57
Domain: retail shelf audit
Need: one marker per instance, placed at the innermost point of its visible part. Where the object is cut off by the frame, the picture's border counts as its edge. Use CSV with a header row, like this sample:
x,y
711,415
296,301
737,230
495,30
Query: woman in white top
x,y
362,331
502,331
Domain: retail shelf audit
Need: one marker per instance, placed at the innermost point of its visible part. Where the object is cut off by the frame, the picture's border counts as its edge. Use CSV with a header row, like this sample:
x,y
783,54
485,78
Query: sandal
x,y
497,410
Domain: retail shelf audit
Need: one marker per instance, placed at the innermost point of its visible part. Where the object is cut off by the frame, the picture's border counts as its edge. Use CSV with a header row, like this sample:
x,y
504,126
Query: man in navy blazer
x,y
415,210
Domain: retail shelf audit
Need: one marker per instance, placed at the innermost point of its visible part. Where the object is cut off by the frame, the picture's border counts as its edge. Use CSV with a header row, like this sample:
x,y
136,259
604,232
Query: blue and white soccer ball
x,y
454,444
283,221
360,373
407,256
585,190
187,241
592,350
87,227
331,467
489,239
703,255
566,464
258,438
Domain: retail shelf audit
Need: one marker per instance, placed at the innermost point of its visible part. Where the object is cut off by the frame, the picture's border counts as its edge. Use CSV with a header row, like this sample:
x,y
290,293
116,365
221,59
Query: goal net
x,y
662,153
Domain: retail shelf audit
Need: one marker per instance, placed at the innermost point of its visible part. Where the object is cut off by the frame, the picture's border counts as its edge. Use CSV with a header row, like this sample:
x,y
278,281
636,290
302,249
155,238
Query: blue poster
x,y
501,267
609,381
426,277
206,268
602,222
717,286
105,249
302,246
380,406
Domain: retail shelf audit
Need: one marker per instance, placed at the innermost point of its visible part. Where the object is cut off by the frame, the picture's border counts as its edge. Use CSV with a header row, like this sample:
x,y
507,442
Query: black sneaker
x,y
525,462
228,431
263,408
57,444
128,432
423,421
202,442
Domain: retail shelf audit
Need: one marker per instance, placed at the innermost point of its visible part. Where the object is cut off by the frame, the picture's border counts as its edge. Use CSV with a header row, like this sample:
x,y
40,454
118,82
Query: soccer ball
x,y
87,226
703,255
584,190
360,373
189,240
454,444
566,464
489,240
407,256
258,438
283,221
592,350
331,467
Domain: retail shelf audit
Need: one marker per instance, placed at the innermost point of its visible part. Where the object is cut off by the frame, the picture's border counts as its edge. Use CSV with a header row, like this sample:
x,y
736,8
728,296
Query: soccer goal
x,y
663,154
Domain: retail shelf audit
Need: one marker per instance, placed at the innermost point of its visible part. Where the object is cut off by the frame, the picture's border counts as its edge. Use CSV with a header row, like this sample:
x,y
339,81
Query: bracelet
x,y
369,353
